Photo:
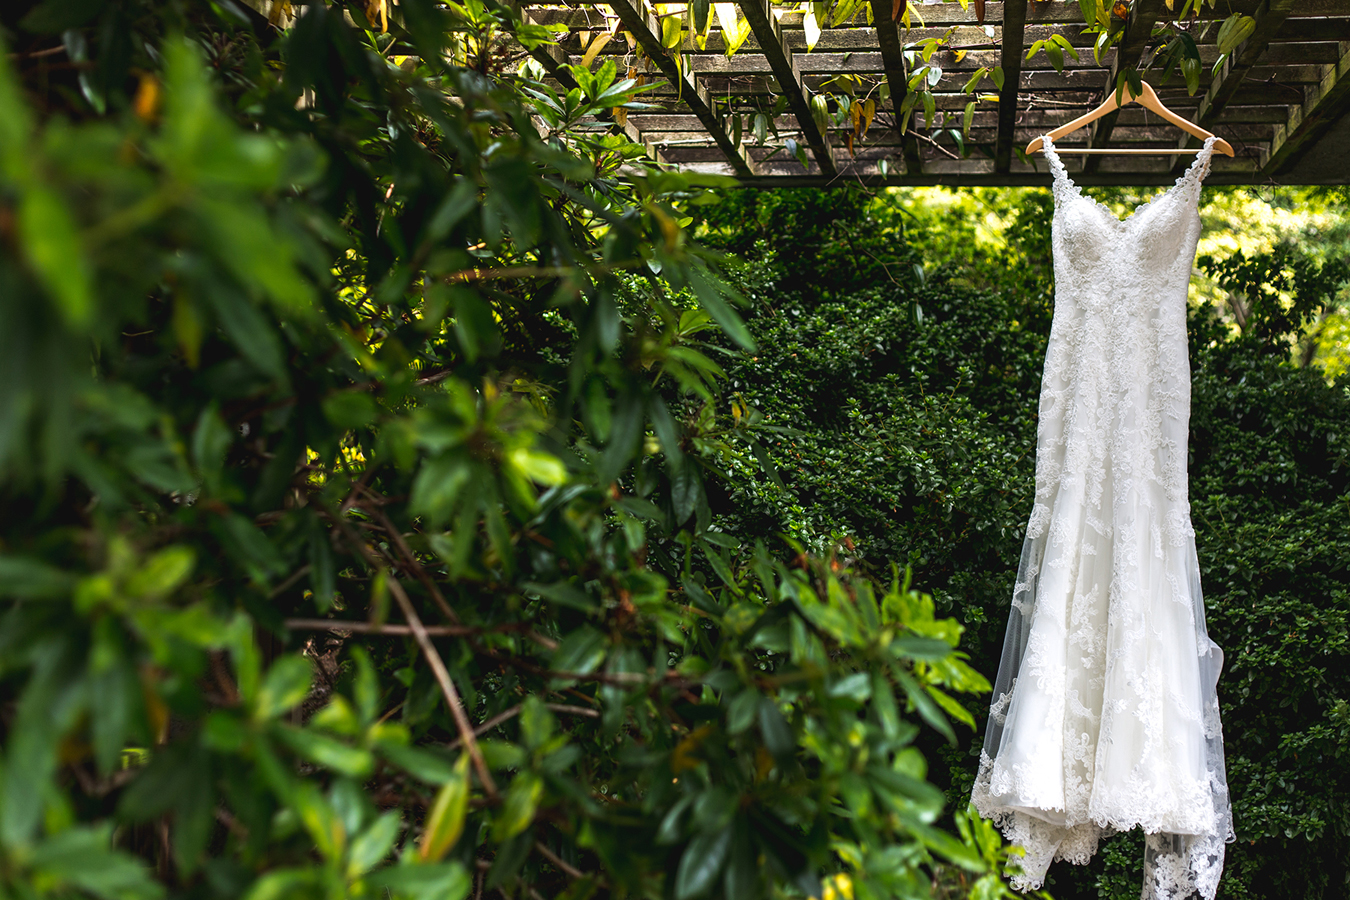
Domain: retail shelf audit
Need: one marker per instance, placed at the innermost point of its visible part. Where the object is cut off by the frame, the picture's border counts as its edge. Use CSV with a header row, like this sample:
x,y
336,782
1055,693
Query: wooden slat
x,y
644,29
1268,21
1322,104
1257,100
1138,29
893,57
1014,25
783,63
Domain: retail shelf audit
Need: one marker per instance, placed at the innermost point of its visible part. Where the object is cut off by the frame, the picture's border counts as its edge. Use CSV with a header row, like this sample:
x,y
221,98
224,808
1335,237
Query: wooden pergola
x,y
1281,97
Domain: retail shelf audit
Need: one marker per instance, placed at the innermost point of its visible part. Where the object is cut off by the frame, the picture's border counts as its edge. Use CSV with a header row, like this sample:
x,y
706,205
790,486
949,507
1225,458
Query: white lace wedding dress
x,y
1105,715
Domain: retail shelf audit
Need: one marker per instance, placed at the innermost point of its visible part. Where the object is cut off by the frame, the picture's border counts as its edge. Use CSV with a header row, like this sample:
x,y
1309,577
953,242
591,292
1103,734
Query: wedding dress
x,y
1105,714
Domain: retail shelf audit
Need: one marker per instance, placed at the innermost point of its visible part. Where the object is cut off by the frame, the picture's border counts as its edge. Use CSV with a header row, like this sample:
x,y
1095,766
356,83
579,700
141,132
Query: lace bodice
x,y
1105,714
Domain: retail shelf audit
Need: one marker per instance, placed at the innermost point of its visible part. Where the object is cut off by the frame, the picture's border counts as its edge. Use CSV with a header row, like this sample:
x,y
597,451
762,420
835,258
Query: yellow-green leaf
x,y
285,685
445,822
319,819
538,466
52,244
518,809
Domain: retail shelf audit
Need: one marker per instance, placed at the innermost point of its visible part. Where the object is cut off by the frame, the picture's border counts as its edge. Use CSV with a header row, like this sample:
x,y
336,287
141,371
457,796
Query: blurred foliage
x,y
910,395
362,415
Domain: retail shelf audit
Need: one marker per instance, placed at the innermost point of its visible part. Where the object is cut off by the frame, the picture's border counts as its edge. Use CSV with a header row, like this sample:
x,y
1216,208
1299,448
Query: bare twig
x,y
507,715
357,485
353,626
669,677
410,560
509,272
552,857
290,580
38,54
447,686
547,643
438,669
361,627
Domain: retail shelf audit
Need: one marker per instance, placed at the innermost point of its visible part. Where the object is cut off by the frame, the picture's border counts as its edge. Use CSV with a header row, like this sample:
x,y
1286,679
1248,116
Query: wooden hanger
x,y
1147,98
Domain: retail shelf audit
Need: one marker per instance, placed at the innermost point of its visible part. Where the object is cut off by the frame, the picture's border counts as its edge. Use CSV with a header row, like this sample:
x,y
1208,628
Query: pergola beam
x,y
1138,29
893,64
1269,18
1014,25
644,28
1323,103
783,64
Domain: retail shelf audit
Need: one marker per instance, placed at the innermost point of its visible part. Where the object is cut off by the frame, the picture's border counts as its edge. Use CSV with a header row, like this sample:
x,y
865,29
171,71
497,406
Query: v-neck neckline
x,y
1053,155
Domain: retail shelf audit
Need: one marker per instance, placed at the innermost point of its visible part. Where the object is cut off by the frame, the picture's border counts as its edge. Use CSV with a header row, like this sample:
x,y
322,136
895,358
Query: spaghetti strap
x,y
1063,186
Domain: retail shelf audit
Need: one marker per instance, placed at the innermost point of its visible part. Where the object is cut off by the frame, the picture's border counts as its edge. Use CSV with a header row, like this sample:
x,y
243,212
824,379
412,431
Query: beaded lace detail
x,y
1105,711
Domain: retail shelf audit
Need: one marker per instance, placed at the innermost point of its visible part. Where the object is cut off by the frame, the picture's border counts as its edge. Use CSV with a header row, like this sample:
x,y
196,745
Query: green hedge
x,y
913,398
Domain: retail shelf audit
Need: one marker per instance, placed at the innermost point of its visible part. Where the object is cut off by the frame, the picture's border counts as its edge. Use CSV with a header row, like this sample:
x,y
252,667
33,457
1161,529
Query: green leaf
x,y
319,819
1234,30
701,9
24,578
459,202
581,652
1056,56
84,859
925,649
211,440
284,686
16,124
777,734
701,863
326,751
248,329
686,484
442,881
1190,70
672,27
51,241
194,807
286,884
538,466
948,703
162,573
710,296
563,593
519,806
373,844
928,710
437,488
445,820
420,762
350,409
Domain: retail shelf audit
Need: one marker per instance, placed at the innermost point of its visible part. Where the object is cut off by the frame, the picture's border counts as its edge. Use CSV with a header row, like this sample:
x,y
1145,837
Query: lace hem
x,y
1177,863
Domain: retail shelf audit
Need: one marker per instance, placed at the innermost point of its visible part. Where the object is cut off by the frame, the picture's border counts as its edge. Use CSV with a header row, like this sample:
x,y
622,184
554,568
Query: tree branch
x,y
447,686
419,632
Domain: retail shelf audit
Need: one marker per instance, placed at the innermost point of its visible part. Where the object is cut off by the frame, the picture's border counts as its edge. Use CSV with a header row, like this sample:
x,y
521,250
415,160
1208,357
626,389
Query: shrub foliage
x,y
912,397
360,411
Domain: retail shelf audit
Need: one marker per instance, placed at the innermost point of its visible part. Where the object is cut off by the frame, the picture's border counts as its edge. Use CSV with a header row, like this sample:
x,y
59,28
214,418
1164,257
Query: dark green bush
x,y
357,528
913,402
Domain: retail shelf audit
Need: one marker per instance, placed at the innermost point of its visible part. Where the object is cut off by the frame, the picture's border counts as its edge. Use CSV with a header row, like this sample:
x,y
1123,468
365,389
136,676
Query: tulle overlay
x,y
1105,713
